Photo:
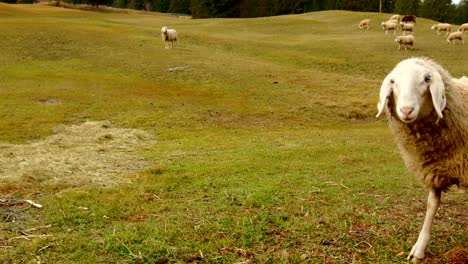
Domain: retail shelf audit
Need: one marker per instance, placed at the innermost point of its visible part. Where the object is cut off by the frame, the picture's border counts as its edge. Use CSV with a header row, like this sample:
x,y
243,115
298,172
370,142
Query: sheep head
x,y
164,30
413,84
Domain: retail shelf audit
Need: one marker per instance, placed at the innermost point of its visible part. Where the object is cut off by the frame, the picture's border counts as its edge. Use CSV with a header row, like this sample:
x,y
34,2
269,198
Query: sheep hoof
x,y
414,259
416,255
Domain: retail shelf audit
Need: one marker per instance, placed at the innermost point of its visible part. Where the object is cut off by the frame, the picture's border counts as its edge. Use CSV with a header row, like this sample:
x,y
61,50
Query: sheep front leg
x,y
433,201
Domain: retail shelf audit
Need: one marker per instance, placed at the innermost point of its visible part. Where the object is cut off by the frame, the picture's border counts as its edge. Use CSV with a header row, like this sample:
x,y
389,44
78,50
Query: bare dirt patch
x,y
90,153
49,101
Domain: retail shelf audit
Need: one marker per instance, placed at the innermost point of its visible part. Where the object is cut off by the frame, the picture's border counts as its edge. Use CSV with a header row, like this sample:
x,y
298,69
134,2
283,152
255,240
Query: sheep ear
x,y
385,92
437,89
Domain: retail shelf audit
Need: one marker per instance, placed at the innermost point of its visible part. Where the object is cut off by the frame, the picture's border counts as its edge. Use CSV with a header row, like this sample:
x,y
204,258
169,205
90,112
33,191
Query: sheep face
x,y
412,86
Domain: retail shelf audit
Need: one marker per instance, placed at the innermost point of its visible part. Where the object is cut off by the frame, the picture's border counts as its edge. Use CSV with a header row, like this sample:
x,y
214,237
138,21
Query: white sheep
x,y
365,24
390,25
395,17
463,27
442,27
427,112
406,27
405,41
457,35
169,36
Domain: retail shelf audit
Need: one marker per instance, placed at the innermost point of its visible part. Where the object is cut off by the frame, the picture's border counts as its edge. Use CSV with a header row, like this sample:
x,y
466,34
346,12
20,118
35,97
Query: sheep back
x,y
463,27
410,18
365,23
455,35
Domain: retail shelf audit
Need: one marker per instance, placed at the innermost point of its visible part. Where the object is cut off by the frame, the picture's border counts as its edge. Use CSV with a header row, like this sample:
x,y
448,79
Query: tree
x,y
160,5
200,8
388,6
407,7
224,8
361,5
180,6
462,11
438,10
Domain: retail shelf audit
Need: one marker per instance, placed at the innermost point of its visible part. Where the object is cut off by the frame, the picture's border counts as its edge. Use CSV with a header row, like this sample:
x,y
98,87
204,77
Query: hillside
x,y
254,140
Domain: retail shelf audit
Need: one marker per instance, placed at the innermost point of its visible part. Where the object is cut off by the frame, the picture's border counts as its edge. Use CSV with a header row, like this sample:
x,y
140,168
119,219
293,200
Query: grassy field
x,y
262,147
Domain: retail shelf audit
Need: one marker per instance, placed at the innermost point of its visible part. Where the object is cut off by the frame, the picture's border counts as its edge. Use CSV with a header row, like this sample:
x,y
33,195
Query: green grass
x,y
267,147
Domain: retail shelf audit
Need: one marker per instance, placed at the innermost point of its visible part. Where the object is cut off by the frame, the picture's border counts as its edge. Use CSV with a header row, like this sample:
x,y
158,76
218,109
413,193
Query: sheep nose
x,y
406,110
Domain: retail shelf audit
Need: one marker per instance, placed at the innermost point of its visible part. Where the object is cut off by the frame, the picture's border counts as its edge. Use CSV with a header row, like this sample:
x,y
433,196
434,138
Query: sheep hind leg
x,y
433,202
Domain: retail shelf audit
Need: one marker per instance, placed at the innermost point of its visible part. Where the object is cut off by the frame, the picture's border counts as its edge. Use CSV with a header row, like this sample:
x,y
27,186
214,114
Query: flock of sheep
x,y
404,23
427,112
407,24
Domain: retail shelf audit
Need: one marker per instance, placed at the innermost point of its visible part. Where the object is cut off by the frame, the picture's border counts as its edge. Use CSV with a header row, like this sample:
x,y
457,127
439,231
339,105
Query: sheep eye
x,y
427,78
392,81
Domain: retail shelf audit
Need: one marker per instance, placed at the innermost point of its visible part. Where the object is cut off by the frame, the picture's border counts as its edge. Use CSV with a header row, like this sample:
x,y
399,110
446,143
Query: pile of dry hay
x,y
90,153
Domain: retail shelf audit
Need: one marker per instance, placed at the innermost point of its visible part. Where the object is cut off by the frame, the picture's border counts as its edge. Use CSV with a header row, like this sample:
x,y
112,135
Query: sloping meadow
x,y
254,140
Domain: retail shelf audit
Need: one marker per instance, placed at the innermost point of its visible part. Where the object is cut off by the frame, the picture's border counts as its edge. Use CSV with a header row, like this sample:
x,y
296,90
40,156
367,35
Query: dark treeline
x,y
439,10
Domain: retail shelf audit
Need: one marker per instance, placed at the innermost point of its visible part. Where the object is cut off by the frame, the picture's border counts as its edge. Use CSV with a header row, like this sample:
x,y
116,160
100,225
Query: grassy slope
x,y
267,144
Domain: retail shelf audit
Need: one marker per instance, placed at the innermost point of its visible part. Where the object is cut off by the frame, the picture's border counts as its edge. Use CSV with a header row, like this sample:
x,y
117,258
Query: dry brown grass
x,y
455,256
89,153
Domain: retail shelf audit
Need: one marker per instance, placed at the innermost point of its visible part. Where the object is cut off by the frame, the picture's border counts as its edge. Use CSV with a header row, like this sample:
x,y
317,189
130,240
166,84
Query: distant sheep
x,y
169,36
463,27
427,112
395,17
406,27
457,35
408,19
365,24
442,27
405,41
390,25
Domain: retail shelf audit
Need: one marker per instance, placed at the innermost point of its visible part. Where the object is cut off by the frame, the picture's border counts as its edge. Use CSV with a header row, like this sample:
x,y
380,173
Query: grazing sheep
x,y
463,27
396,17
410,18
364,24
390,25
169,36
405,41
406,27
427,112
455,35
442,27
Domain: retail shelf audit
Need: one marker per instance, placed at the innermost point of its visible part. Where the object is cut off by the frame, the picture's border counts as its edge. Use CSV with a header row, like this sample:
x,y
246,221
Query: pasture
x,y
253,141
